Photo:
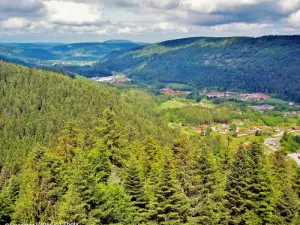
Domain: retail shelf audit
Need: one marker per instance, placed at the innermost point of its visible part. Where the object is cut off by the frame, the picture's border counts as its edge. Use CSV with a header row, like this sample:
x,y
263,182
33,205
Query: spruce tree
x,y
72,208
209,204
112,138
135,189
39,188
168,204
248,188
185,159
113,206
8,196
296,183
286,201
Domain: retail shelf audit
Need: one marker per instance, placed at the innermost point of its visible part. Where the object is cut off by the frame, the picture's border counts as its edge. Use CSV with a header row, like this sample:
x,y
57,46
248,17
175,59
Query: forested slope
x,y
73,150
266,64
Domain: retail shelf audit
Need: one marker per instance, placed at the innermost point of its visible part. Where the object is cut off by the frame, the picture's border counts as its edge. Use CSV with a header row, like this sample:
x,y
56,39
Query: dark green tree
x,y
168,204
249,188
135,189
112,138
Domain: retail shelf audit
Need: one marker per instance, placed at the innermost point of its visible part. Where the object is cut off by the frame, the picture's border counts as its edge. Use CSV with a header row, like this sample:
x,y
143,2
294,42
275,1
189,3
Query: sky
x,y
144,20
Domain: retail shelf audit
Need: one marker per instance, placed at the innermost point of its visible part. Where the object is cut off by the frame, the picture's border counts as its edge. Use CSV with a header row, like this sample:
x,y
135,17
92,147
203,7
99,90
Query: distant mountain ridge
x,y
42,53
268,64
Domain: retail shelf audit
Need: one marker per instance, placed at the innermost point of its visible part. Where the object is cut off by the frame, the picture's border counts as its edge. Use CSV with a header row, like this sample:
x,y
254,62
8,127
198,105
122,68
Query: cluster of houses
x,y
112,79
225,129
242,96
293,113
168,91
254,97
262,108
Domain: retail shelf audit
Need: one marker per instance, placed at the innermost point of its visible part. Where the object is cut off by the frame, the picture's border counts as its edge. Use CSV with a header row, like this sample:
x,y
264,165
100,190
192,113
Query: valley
x,y
125,145
237,119
149,112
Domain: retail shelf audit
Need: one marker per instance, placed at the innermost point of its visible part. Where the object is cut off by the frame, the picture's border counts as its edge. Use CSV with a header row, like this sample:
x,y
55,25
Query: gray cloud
x,y
103,18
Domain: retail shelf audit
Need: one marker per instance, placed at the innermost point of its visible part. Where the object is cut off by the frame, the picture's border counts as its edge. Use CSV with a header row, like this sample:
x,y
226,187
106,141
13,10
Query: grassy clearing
x,y
171,104
178,86
184,130
275,101
235,143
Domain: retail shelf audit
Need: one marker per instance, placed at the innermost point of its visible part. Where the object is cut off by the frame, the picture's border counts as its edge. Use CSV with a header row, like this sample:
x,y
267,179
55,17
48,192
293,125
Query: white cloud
x,y
169,27
294,18
239,27
159,18
289,5
70,13
15,23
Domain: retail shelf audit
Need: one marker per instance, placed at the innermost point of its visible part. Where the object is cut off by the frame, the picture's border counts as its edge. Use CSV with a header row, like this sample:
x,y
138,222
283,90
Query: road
x,y
273,144
294,156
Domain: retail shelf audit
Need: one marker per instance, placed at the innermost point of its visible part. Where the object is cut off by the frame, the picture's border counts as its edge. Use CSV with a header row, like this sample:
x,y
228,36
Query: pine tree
x,y
296,184
168,204
73,208
260,189
113,206
8,197
209,204
112,138
286,202
248,187
185,159
135,189
39,188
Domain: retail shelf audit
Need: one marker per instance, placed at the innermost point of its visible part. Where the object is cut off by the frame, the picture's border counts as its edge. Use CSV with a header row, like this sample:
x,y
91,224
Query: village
x,y
117,78
238,129
242,96
168,91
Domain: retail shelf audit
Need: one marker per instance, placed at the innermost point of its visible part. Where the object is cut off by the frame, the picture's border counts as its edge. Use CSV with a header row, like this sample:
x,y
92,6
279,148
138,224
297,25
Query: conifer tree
x,y
286,201
39,189
296,184
112,138
135,189
72,208
248,188
185,159
168,204
208,207
113,206
8,196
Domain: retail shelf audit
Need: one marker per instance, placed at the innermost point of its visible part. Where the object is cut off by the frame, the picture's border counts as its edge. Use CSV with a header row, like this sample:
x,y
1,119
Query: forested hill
x,y
266,64
76,151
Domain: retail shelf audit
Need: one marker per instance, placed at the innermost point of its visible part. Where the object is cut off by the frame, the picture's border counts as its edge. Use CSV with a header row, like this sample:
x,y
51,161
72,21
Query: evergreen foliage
x,y
72,150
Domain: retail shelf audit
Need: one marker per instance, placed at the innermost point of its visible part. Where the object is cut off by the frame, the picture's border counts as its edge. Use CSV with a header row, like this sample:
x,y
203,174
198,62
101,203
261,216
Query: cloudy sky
x,y
143,20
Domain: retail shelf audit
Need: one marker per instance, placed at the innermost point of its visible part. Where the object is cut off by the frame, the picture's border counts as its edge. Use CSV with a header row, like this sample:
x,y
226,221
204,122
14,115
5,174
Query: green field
x,y
178,86
275,101
171,104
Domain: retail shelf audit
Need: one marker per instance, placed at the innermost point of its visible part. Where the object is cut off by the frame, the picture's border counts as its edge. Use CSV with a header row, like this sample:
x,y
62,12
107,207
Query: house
x,y
254,97
216,94
167,91
241,134
224,131
201,129
238,122
239,112
256,128
291,103
296,128
262,107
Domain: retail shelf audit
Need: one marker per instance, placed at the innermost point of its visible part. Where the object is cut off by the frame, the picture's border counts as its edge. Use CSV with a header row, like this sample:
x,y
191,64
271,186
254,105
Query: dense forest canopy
x,y
73,150
267,64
